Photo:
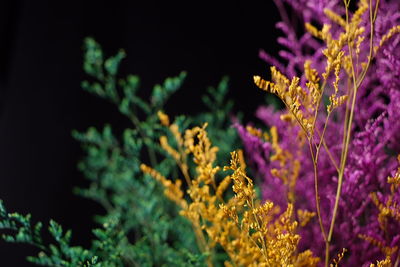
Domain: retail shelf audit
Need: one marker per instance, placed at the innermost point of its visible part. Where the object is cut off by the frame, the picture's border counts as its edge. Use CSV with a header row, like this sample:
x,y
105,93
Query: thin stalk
x,y
372,18
344,151
346,138
356,85
300,123
321,136
330,155
322,141
326,253
315,166
317,192
342,166
184,169
347,114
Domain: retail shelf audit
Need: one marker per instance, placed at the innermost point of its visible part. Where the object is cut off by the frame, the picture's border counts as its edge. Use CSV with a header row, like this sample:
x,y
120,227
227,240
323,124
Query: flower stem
x,y
314,159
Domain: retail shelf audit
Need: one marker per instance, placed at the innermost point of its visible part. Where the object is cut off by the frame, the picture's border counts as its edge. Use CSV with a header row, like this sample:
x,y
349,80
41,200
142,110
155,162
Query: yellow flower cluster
x,y
303,103
394,30
339,258
390,209
304,216
298,101
260,234
289,165
395,180
172,189
334,47
313,83
336,101
257,132
383,263
250,232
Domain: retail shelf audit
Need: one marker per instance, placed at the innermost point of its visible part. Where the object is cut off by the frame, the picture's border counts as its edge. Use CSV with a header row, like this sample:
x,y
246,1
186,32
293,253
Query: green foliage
x,y
157,233
140,227
219,110
161,93
60,253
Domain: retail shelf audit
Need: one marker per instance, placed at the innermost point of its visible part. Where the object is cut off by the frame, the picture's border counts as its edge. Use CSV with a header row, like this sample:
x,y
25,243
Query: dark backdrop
x,y
41,100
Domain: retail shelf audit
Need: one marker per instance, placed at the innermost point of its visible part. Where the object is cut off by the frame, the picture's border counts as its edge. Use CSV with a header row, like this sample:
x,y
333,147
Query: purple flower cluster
x,y
373,148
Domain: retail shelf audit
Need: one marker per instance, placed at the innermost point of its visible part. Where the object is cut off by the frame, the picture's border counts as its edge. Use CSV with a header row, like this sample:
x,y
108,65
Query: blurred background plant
x,y
138,226
41,99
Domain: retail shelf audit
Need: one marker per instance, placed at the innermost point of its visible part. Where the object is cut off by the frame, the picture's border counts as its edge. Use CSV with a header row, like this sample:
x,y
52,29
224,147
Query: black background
x,y
41,100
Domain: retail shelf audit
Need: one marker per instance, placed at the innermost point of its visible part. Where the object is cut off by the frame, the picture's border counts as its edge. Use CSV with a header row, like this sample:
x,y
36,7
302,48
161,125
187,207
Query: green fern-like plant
x,y
139,227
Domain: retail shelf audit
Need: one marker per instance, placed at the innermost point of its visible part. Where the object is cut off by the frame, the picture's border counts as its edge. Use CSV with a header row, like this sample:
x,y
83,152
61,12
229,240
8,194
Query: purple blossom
x,y
373,149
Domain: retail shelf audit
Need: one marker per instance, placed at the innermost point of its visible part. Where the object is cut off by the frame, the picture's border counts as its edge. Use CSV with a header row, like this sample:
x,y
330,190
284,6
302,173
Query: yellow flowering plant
x,y
252,233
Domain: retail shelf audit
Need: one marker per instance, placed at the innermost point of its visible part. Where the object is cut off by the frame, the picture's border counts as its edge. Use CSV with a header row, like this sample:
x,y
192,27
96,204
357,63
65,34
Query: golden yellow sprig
x,y
288,169
306,258
388,209
276,239
223,186
254,131
257,132
357,16
335,100
289,165
179,154
338,258
296,99
322,34
242,185
395,180
171,151
382,263
312,83
172,189
386,250
335,46
341,52
359,41
305,216
333,16
164,119
204,154
252,233
392,32
173,128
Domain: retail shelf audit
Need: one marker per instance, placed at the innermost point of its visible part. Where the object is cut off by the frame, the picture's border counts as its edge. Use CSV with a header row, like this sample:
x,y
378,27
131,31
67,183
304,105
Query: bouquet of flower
x,y
325,162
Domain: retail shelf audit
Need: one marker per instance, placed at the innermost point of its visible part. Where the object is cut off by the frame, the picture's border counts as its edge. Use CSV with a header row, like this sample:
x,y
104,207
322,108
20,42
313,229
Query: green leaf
x,y
93,58
111,65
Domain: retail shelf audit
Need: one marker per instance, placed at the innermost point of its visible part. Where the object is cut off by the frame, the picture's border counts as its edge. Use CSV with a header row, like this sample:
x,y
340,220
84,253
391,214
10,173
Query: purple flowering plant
x,y
332,152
